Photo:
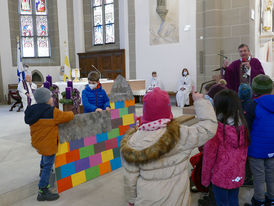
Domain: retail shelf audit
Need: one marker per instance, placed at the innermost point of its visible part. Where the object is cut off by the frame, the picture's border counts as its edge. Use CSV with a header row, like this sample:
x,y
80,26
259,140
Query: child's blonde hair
x,y
222,82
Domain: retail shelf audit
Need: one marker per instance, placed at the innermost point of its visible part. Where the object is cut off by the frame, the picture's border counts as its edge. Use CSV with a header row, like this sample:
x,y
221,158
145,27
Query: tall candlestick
x,y
70,84
47,84
49,79
68,92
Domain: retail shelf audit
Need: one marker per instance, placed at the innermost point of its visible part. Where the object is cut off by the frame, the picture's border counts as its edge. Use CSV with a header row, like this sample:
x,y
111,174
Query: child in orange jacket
x,y
43,119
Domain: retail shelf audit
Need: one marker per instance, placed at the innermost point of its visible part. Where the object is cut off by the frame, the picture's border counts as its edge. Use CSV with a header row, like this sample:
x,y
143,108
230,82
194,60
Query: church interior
x,y
125,49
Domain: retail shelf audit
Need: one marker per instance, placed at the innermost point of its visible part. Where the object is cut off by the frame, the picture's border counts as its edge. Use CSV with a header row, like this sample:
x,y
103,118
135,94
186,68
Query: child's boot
x,y
45,194
255,203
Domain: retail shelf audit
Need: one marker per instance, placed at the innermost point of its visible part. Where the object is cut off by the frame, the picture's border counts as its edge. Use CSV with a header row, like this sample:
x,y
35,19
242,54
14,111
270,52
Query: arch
x,y
37,76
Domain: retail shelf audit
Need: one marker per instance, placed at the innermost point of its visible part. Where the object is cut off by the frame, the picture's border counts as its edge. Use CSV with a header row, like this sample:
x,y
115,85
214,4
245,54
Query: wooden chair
x,y
14,94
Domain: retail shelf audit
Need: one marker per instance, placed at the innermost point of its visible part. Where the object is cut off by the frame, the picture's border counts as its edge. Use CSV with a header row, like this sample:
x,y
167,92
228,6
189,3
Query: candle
x,y
47,84
49,79
68,92
70,84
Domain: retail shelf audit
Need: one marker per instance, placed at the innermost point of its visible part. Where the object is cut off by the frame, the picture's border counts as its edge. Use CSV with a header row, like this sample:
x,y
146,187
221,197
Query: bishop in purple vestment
x,y
242,70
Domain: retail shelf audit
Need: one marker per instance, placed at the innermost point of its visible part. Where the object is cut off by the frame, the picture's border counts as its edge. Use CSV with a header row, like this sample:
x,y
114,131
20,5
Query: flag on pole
x,y
67,70
20,68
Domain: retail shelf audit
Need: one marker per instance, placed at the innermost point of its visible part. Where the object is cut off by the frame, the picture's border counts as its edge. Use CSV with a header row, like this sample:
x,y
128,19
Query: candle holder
x,y
76,75
73,103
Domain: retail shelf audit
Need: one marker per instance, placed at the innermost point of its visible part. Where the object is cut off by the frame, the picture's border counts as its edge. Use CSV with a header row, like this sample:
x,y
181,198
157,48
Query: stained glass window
x,y
34,28
40,7
43,46
98,16
97,2
42,25
103,22
27,46
26,26
108,1
25,6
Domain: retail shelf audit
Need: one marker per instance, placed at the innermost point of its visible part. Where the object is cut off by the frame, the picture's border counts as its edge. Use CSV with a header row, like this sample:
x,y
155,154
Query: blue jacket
x,y
93,99
262,132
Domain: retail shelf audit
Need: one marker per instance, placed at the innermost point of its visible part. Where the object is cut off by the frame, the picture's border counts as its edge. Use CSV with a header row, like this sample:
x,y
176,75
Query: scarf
x,y
155,125
27,89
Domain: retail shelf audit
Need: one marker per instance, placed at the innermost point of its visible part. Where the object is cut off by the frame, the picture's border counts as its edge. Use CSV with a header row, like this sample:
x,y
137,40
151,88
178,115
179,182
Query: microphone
x,y
97,71
223,56
244,59
244,67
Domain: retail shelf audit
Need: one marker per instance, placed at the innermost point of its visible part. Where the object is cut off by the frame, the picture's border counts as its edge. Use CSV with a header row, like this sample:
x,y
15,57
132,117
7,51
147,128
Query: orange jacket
x,y
44,132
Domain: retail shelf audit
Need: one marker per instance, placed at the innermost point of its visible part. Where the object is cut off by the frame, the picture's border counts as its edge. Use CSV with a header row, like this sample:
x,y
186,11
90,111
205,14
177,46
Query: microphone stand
x,y
97,71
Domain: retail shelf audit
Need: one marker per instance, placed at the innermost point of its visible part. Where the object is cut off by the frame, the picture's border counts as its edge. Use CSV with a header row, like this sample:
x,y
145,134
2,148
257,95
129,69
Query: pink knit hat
x,y
156,106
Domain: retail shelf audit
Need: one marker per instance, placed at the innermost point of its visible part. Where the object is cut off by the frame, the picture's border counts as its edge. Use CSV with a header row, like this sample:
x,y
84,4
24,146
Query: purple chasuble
x,y
233,73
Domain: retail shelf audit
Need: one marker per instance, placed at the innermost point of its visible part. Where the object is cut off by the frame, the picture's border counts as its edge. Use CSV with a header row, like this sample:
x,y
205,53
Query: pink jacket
x,y
224,158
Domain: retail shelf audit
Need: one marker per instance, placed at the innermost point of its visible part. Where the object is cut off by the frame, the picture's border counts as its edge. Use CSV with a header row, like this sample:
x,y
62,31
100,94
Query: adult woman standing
x,y
184,89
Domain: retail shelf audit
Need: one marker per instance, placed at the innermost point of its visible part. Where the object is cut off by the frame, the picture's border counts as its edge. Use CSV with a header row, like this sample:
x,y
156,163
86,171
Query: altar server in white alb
x,y
183,89
153,82
26,89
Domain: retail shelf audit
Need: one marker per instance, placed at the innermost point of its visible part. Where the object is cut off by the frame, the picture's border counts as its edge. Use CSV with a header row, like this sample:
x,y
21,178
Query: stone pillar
x,y
222,25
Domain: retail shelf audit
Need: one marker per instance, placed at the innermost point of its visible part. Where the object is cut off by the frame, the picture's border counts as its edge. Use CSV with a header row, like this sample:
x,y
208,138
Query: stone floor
x,y
19,167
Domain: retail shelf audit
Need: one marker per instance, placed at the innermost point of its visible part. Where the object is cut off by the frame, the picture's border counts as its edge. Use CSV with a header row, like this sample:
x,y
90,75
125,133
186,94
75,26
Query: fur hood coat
x,y
156,162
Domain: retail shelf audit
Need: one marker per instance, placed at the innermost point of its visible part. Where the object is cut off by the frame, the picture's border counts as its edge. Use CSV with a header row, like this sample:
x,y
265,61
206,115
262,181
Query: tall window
x,y
34,28
103,22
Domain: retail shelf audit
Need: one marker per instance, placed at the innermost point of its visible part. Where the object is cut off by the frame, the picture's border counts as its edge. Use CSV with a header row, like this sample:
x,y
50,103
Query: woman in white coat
x,y
183,89
26,89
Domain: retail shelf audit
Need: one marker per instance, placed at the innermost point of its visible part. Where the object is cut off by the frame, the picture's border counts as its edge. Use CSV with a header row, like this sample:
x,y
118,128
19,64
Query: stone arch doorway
x,y
37,76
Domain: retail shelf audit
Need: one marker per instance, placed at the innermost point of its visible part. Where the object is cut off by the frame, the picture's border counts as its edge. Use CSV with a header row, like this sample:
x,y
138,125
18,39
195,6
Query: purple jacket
x,y
224,158
232,73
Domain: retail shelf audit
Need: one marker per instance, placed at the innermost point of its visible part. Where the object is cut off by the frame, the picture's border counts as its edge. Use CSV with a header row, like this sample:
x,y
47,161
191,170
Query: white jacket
x,y
156,162
184,82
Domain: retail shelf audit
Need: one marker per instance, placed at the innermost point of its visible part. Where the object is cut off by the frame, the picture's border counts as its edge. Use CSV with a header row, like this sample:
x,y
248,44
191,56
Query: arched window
x,y
103,22
33,20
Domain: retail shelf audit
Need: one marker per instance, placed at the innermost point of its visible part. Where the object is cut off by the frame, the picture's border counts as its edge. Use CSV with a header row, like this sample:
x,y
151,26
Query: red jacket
x,y
224,158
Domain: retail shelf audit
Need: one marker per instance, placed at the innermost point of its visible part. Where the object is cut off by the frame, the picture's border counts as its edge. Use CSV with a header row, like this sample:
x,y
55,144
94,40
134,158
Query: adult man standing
x,y
26,89
242,70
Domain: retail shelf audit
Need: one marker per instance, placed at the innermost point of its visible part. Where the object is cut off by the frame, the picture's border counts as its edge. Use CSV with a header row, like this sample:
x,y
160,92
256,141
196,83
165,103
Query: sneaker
x,y
269,202
194,189
45,194
255,203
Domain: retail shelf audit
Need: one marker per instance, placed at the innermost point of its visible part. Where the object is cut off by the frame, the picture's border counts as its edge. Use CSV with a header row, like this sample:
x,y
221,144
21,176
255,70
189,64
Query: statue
x,y
267,16
161,9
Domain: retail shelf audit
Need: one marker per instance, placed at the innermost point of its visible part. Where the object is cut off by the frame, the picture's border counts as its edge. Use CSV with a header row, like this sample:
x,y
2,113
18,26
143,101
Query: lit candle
x,y
49,79
47,84
68,92
70,84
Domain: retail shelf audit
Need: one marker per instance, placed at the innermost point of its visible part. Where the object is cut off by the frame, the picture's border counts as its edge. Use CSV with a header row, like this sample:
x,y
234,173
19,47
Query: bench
x,y
173,94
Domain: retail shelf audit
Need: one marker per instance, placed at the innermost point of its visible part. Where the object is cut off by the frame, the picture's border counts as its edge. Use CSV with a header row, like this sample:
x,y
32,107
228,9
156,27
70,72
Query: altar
x,y
138,86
